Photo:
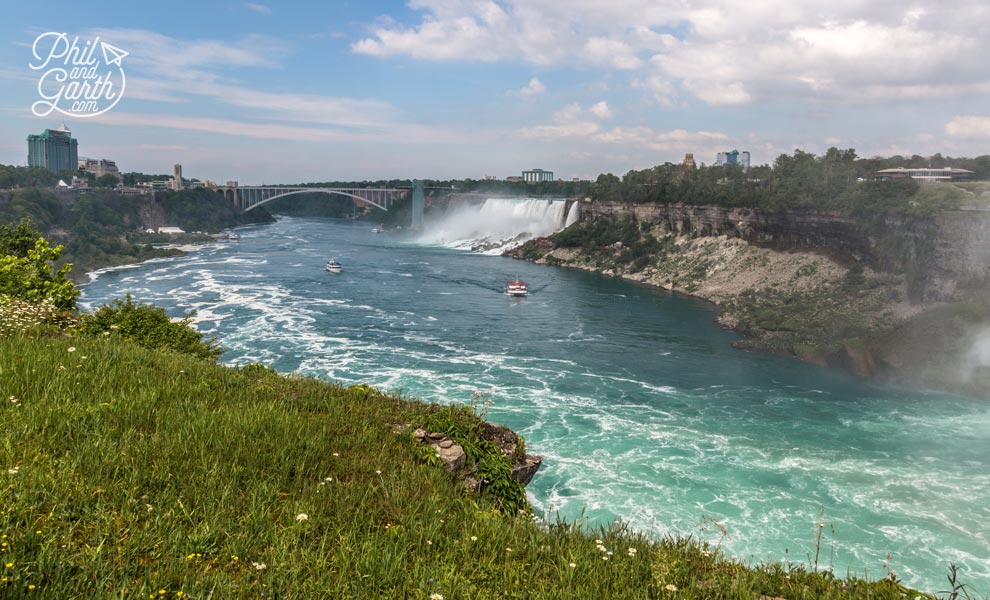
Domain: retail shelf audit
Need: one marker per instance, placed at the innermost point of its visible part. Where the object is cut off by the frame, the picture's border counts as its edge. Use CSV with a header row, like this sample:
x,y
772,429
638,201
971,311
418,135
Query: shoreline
x,y
881,353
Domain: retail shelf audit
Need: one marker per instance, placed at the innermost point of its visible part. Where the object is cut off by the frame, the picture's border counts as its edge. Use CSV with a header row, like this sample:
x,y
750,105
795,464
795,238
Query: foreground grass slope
x,y
128,472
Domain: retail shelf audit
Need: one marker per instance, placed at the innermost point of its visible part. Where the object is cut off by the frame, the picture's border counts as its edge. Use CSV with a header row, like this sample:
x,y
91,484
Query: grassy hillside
x,y
128,472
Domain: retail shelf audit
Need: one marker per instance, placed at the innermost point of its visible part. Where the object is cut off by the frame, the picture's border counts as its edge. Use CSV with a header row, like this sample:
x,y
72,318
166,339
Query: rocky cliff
x,y
939,254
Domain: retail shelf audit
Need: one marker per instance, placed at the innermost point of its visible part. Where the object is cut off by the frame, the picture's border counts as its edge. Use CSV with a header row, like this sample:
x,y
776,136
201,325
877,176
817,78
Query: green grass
x,y
128,472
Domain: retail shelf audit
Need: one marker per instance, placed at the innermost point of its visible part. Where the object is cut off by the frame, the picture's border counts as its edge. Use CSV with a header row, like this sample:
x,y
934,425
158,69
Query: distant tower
x,y
177,178
418,200
689,162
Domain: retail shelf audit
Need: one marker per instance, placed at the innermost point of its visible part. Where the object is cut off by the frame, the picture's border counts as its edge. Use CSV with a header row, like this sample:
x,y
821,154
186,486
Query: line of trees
x,y
837,180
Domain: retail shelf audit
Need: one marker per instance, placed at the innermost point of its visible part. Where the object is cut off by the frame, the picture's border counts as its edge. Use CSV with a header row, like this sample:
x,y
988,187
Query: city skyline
x,y
290,92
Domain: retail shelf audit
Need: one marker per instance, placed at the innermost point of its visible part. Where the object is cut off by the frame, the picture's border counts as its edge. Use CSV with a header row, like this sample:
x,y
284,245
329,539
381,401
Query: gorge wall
x,y
938,254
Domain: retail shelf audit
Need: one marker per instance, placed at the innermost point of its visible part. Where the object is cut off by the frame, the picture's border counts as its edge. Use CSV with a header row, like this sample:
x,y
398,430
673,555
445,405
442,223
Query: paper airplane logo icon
x,y
112,51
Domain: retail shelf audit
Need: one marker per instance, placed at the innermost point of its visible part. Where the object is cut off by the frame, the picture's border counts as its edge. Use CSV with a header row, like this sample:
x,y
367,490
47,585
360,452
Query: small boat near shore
x,y
516,287
333,266
379,229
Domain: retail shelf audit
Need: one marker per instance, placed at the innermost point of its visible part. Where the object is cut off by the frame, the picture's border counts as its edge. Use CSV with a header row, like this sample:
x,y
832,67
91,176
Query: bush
x,y
27,268
147,325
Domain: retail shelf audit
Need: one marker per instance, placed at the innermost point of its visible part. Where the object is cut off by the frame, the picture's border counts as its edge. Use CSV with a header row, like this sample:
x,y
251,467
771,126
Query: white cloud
x,y
611,53
261,8
574,129
571,121
534,88
601,110
724,52
969,128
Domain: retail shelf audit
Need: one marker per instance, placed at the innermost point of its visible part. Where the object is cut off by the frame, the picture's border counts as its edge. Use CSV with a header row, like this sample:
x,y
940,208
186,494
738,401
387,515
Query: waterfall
x,y
497,224
573,214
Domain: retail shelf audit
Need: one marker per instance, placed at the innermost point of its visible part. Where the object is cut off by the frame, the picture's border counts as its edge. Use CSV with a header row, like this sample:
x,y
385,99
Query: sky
x,y
293,91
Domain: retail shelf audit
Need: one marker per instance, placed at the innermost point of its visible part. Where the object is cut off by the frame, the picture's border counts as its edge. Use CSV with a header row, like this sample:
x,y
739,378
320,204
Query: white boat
x,y
233,236
379,229
333,266
516,287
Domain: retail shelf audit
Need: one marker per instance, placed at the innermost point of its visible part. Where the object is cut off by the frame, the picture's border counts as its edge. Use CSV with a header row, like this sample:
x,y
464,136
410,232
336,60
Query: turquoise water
x,y
635,399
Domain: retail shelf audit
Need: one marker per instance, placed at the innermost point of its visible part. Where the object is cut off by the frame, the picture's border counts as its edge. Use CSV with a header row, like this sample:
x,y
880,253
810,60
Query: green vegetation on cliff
x,y
832,182
103,228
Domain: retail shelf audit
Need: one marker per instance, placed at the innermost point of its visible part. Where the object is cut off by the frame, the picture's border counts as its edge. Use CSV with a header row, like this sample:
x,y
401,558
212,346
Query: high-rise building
x,y
177,178
733,158
55,150
537,176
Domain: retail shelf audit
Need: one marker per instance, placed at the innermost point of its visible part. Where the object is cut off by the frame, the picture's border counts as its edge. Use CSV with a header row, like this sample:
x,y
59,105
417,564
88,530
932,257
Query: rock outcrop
x,y
454,458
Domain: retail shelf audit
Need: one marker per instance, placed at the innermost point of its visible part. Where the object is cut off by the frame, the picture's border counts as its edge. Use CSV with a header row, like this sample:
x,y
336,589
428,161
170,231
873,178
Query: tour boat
x,y
333,266
516,288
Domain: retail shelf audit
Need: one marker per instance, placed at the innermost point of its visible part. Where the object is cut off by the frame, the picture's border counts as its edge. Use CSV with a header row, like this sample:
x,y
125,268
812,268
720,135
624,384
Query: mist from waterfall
x,y
497,224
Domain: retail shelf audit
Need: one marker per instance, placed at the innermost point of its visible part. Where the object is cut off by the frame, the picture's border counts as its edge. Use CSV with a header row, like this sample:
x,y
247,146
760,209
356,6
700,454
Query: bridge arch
x,y
316,190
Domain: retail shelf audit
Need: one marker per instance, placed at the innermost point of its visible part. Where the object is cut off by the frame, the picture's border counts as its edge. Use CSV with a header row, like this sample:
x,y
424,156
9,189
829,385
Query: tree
x,y
18,240
107,180
29,275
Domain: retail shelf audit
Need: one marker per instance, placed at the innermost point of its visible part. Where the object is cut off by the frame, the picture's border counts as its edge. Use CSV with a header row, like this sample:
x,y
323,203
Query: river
x,y
633,396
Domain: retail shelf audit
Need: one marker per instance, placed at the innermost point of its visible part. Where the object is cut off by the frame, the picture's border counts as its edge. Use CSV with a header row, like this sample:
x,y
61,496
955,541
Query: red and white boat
x,y
516,287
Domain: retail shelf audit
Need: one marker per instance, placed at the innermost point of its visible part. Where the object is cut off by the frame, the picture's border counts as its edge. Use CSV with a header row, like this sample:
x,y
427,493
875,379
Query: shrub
x,y
147,325
27,268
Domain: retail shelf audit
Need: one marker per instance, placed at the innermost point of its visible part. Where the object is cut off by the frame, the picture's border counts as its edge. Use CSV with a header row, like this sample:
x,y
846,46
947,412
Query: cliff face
x,y
939,255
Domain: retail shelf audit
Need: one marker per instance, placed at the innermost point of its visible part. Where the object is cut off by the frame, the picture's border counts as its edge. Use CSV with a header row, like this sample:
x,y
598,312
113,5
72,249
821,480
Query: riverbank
x,y
804,290
245,483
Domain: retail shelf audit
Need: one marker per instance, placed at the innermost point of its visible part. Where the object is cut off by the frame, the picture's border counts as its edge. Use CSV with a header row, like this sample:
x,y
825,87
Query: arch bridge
x,y
252,196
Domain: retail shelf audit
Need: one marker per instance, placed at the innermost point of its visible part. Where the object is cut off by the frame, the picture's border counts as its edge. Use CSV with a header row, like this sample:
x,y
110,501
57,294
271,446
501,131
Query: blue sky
x,y
314,91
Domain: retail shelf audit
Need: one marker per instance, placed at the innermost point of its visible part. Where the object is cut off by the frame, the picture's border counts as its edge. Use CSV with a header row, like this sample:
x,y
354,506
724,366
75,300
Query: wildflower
x,y
474,538
336,453
632,552
260,566
72,348
234,558
436,597
508,549
378,472
179,594
302,517
13,471
670,587
37,532
572,565
706,553
9,565
162,592
429,543
604,558
31,586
